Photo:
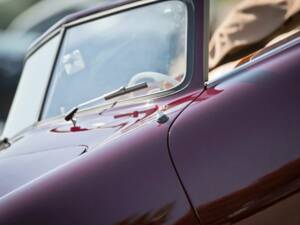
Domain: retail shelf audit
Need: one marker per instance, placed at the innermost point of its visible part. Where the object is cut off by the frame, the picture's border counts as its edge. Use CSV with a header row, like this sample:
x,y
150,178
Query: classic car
x,y
115,121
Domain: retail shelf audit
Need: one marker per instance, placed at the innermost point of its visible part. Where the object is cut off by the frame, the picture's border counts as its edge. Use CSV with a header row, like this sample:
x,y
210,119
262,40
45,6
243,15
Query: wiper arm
x,y
117,93
125,90
4,144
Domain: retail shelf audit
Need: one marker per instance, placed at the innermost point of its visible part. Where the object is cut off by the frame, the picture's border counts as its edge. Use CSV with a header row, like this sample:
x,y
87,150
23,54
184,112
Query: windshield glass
x,y
31,90
146,44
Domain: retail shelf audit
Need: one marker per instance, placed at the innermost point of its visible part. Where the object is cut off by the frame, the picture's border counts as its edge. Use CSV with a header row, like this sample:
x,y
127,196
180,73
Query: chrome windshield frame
x,y
129,6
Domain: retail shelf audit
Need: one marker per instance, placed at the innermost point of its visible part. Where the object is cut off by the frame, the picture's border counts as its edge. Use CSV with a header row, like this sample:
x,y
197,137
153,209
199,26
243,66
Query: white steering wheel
x,y
157,77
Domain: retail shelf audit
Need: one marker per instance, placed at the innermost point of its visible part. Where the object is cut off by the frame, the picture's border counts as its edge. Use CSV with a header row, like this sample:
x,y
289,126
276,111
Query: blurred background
x,y
22,21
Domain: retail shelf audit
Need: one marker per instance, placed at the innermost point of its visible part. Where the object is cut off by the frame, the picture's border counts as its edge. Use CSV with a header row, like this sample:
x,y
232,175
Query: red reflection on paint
x,y
72,129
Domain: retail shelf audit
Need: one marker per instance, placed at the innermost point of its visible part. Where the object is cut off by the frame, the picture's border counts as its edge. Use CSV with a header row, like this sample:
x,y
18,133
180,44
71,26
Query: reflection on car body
x,y
169,147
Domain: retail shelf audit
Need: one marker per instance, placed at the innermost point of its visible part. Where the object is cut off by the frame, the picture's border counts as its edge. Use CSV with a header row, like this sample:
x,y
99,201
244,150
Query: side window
x,y
146,44
27,103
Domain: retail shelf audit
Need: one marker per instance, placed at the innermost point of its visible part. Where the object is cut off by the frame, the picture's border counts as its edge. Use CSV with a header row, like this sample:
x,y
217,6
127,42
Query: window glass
x,y
147,44
31,90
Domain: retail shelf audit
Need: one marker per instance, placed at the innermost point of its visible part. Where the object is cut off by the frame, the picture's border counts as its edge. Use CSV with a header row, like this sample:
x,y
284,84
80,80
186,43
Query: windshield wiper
x,y
117,93
125,90
4,144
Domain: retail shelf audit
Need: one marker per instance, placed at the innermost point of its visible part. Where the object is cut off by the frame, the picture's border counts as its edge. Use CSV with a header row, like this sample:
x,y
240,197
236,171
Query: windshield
x,y
31,90
147,44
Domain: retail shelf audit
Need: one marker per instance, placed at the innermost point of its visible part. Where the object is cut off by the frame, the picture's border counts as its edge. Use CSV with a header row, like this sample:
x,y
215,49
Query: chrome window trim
x,y
31,51
112,11
92,17
190,56
62,33
206,18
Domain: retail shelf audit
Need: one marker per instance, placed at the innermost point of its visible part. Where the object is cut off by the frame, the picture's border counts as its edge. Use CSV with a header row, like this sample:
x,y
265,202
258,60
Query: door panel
x,y
237,147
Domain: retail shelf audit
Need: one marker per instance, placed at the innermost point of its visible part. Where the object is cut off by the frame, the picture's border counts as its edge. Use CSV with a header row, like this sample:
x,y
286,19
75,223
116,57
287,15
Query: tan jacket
x,y
252,22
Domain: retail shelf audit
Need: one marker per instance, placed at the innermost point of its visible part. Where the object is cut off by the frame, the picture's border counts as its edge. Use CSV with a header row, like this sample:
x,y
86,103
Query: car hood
x,y
18,170
50,145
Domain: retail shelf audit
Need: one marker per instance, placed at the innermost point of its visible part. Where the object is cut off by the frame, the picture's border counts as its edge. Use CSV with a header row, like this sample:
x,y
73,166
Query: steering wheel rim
x,y
158,77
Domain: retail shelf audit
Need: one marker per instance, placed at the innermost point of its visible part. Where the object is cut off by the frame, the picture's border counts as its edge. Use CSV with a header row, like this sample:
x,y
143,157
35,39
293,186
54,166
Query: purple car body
x,y
226,152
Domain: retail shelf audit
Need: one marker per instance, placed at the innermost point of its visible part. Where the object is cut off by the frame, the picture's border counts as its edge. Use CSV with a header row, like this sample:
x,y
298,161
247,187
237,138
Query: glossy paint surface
x,y
56,142
237,147
114,167
120,171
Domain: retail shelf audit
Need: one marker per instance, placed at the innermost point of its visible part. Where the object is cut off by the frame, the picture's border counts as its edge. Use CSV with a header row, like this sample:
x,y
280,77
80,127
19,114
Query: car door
x,y
237,147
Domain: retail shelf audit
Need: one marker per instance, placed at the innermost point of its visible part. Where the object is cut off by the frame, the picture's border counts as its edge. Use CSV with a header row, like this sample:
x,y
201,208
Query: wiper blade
x,y
125,90
117,93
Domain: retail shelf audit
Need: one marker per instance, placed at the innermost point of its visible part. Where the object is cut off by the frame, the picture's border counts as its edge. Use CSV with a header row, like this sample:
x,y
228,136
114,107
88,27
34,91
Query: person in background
x,y
251,26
